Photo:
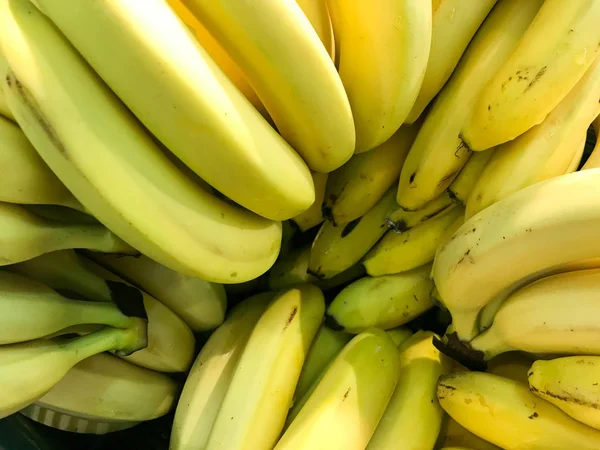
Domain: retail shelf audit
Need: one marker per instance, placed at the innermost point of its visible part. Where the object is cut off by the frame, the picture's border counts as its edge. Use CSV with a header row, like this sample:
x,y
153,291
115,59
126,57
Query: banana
x,y
144,198
511,365
347,276
325,347
29,370
571,384
553,55
200,304
401,220
353,189
438,153
61,214
466,180
399,335
453,25
413,417
4,109
383,302
399,252
291,269
593,161
544,151
313,216
276,46
518,237
538,319
455,436
103,393
348,402
253,411
317,13
337,248
578,156
23,236
211,374
504,412
148,50
382,62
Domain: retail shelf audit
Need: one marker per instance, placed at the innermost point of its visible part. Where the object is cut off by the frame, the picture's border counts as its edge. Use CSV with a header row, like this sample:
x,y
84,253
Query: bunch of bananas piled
x,y
398,197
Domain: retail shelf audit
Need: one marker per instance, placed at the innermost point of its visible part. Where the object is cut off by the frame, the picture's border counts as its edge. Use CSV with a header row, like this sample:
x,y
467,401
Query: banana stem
x,y
465,324
102,313
92,237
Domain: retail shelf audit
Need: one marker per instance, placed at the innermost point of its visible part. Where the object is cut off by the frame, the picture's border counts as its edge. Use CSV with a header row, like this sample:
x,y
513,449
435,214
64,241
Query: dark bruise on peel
x,y
315,273
350,226
565,398
327,212
461,352
399,226
536,78
346,393
291,318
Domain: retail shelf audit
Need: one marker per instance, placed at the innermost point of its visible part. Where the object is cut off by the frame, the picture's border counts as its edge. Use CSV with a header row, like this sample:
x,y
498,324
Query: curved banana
x,y
399,252
353,189
337,248
199,303
593,161
520,236
571,384
512,365
254,409
466,180
348,402
382,62
383,302
276,46
438,154
504,412
401,220
211,374
313,216
4,109
545,151
112,165
453,26
455,436
555,52
413,417
317,13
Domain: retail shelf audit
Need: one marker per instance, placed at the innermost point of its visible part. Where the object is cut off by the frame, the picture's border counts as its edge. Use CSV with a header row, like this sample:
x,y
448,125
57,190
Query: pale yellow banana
x,y
466,180
313,216
401,220
317,13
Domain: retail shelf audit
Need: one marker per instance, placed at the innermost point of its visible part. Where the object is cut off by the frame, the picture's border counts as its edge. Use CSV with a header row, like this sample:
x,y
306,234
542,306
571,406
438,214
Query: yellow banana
x,y
438,153
555,52
399,335
593,161
576,161
455,436
512,365
401,220
313,216
317,13
112,165
466,180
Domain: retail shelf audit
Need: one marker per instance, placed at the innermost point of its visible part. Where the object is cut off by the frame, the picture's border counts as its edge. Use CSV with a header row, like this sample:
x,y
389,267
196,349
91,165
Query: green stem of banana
x,y
95,238
100,313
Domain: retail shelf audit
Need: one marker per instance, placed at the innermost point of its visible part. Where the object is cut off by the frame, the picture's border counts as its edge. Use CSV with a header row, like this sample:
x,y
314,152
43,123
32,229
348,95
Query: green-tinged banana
x,y
555,315
453,26
313,216
29,370
382,55
545,151
292,73
61,214
401,220
106,390
593,162
512,365
211,374
399,335
337,248
325,347
31,310
413,417
254,409
455,436
353,189
399,252
345,407
384,302
24,235
554,53
438,154
291,269
463,184
146,49
199,303
317,13
571,384
112,165
504,412
518,237
4,109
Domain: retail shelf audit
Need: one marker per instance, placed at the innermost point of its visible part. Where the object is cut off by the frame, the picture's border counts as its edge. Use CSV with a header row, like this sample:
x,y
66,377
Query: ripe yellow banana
x,y
520,236
571,384
555,52
199,303
413,417
438,154
278,49
593,161
512,365
253,411
317,13
505,413
29,370
466,180
401,220
153,63
337,248
453,26
313,216
399,252
455,436
353,189
348,402
103,394
545,151
211,375
383,302
382,52
112,165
